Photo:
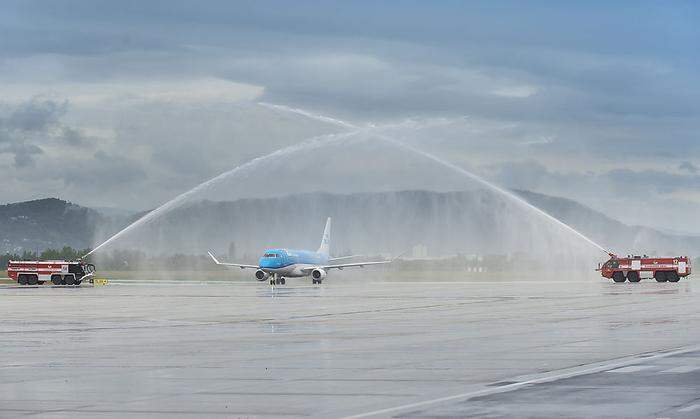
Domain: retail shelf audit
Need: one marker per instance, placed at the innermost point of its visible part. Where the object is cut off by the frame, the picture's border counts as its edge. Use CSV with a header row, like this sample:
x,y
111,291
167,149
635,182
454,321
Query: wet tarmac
x,y
362,349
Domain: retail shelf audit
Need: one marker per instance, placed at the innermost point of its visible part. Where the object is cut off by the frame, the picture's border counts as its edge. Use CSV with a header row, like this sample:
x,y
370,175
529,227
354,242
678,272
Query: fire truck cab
x,y
59,272
634,268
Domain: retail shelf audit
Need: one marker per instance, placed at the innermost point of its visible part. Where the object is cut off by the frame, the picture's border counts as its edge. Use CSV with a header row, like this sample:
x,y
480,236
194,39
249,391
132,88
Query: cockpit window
x,y
270,255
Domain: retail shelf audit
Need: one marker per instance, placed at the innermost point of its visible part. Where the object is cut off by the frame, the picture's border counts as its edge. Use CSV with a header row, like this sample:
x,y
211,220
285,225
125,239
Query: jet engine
x,y
318,274
261,275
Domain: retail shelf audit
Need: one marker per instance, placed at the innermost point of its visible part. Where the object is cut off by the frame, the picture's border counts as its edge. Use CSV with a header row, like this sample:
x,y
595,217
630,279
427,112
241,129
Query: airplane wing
x,y
343,258
238,265
346,265
355,265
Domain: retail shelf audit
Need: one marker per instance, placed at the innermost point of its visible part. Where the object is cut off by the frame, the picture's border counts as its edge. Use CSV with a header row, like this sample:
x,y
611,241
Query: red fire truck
x,y
59,272
634,268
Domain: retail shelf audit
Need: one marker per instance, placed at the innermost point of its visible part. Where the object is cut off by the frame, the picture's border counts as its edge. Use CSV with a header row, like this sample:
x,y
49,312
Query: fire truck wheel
x,y
672,277
22,279
660,276
56,279
618,277
633,276
69,279
33,279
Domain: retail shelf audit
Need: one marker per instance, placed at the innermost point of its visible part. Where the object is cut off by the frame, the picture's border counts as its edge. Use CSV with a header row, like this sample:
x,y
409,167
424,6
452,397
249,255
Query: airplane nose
x,y
267,263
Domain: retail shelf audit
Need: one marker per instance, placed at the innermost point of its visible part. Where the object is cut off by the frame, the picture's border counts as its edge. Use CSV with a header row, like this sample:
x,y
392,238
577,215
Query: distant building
x,y
419,251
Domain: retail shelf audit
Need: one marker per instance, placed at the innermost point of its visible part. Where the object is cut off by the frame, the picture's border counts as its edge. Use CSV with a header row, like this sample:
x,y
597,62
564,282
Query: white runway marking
x,y
542,378
632,368
683,369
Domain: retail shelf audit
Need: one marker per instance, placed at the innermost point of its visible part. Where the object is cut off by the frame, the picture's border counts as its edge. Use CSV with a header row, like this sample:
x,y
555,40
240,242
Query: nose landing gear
x,y
277,280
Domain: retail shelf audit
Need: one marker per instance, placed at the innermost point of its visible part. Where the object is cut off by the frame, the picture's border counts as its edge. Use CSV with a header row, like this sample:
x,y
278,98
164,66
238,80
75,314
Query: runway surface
x,y
416,349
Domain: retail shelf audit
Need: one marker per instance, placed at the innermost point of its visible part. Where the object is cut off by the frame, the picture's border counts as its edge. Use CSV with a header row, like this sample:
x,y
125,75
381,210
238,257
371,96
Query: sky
x,y
127,104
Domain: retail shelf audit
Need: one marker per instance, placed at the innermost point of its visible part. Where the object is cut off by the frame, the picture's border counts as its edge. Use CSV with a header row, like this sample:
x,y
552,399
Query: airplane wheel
x,y
313,281
618,277
272,282
282,281
660,276
673,277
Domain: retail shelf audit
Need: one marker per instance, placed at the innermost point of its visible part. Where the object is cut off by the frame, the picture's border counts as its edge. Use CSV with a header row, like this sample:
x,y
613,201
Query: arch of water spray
x,y
330,139
520,201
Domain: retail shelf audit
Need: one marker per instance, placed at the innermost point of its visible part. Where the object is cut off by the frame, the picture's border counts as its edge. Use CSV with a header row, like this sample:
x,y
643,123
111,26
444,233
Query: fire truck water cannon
x,y
633,268
58,272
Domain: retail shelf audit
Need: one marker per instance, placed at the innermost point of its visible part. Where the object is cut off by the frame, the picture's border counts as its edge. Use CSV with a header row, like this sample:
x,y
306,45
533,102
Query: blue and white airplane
x,y
278,264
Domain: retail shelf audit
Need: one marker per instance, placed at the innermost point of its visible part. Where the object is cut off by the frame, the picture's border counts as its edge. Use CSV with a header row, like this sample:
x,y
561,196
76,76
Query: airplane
x,y
278,264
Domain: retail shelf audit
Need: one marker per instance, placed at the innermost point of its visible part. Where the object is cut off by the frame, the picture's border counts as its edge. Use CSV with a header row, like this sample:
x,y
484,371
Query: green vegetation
x,y
66,253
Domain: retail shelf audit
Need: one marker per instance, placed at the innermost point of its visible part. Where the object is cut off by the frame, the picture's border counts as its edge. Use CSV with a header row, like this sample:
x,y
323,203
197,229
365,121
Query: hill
x,y
46,223
446,222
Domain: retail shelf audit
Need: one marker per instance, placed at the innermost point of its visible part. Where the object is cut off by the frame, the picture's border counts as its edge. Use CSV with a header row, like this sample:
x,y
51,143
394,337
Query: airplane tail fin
x,y
325,246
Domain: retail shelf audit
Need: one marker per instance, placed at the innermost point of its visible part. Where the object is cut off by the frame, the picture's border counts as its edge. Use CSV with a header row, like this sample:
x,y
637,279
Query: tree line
x,y
123,260
66,253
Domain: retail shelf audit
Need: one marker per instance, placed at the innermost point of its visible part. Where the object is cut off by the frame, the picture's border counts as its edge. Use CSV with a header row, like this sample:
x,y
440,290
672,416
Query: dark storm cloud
x,y
36,115
23,153
25,128
72,136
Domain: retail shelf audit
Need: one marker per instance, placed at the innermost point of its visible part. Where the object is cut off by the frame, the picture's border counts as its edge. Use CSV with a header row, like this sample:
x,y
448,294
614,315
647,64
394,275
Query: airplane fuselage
x,y
291,263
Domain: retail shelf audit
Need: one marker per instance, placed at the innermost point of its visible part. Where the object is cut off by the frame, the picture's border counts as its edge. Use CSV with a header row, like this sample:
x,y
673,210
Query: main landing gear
x,y
316,281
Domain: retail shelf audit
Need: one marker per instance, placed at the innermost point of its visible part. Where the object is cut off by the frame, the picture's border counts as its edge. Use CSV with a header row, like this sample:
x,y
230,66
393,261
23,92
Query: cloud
x,y
36,115
184,91
28,124
516,91
101,170
660,198
23,153
688,167
30,128
560,98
